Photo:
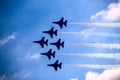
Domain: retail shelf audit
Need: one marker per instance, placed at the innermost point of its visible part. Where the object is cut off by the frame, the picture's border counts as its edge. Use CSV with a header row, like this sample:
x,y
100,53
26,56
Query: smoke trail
x,y
92,33
95,66
110,46
96,55
113,25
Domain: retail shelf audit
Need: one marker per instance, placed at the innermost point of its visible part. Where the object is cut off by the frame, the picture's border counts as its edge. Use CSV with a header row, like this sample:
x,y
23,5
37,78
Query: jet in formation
x,y
61,22
58,44
42,42
56,65
49,54
51,32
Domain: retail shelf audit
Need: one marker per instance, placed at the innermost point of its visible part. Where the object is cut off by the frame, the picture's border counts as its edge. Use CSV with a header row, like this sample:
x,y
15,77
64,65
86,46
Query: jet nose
x,y
48,64
54,22
44,32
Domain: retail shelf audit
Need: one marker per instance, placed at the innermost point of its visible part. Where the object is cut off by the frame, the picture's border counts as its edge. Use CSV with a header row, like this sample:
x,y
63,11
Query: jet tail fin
x,y
62,44
60,65
53,54
46,42
55,32
65,23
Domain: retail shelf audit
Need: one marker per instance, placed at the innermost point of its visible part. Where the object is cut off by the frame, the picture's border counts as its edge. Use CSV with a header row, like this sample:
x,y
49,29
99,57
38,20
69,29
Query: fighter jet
x,y
61,22
42,42
55,65
49,54
51,32
58,44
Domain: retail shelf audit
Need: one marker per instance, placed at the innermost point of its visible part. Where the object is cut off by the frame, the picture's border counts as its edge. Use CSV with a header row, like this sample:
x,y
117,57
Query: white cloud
x,y
20,75
33,56
74,79
3,77
112,13
113,74
23,75
28,57
86,32
7,39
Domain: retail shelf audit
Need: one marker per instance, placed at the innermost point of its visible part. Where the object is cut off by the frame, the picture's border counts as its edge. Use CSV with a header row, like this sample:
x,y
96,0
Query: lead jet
x,y
42,42
61,22
49,54
58,44
51,32
55,65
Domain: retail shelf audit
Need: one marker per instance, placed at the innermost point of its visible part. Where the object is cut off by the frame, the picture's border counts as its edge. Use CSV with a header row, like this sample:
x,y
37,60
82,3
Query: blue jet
x,y
58,44
49,54
42,42
61,22
51,32
55,65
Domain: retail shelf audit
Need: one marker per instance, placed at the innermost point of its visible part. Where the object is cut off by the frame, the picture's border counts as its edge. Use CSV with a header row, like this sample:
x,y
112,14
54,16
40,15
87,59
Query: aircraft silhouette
x,y
49,54
51,32
42,42
58,44
61,22
55,65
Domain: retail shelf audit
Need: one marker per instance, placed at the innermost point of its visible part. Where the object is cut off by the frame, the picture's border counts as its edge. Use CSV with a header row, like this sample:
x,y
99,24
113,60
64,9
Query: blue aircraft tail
x,y
60,65
55,32
46,42
65,23
62,44
53,54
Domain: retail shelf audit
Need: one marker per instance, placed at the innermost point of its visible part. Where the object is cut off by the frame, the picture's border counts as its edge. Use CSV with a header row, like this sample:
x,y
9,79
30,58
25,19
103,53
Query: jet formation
x,y
51,54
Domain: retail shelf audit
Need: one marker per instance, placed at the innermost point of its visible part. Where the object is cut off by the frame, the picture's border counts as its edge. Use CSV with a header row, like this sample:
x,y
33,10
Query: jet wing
x,y
49,57
61,20
43,39
51,35
56,65
42,45
61,25
58,46
55,68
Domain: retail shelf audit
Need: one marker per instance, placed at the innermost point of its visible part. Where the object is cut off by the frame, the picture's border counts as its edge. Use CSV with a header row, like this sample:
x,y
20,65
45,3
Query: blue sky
x,y
22,22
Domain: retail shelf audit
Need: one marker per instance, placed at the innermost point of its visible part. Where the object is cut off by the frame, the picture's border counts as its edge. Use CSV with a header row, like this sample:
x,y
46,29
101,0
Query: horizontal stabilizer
x,y
55,32
65,23
60,65
62,44
46,42
53,54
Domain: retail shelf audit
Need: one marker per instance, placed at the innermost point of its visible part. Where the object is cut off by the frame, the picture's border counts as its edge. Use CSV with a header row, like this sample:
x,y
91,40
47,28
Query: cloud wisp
x,y
7,39
95,66
23,75
110,46
97,24
74,79
86,34
94,55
